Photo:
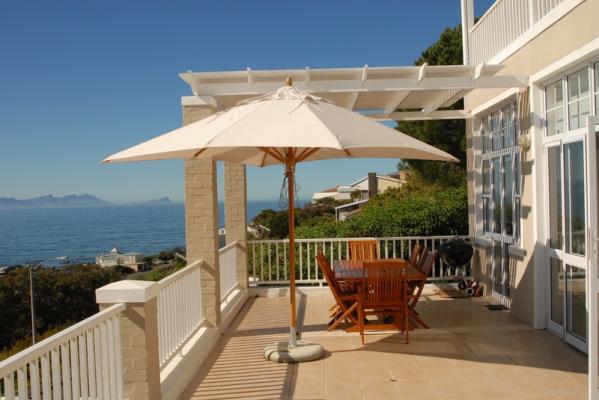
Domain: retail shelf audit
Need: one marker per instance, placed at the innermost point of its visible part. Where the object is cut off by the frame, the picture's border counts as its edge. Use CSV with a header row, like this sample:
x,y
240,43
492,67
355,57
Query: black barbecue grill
x,y
456,254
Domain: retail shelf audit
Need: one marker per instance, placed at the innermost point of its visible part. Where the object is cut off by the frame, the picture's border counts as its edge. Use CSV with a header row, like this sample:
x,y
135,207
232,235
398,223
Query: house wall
x,y
571,32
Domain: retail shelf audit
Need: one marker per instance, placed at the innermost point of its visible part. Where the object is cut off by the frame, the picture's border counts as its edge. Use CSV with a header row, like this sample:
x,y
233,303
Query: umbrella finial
x,y
289,81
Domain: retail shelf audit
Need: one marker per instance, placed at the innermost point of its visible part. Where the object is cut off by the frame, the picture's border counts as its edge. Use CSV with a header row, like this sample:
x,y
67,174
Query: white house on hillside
x,y
372,183
132,260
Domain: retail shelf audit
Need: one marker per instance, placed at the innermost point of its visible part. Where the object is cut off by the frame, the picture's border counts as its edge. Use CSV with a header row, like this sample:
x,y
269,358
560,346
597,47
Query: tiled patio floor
x,y
470,353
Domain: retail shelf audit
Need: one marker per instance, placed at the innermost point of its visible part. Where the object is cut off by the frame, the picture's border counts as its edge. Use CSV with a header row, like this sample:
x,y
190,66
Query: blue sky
x,y
82,79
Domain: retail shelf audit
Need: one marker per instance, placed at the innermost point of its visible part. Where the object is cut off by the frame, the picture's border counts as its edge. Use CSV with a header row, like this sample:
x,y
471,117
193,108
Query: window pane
x,y
509,126
497,195
555,197
578,98
554,108
574,190
486,177
486,215
508,192
557,291
573,113
576,301
573,88
486,133
553,94
496,129
486,196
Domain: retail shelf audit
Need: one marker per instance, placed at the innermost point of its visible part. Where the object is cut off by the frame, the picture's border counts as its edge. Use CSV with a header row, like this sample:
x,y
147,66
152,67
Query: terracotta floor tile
x,y
470,353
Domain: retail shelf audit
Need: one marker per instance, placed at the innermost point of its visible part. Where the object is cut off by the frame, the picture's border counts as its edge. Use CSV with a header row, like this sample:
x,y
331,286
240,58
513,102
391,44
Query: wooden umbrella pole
x,y
290,172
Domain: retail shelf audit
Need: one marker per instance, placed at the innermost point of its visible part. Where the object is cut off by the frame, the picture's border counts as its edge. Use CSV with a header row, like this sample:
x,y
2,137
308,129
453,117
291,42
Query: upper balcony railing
x,y
504,23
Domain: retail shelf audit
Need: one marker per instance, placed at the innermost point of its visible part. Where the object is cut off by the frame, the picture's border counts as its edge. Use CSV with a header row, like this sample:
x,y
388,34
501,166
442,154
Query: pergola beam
x,y
380,85
420,116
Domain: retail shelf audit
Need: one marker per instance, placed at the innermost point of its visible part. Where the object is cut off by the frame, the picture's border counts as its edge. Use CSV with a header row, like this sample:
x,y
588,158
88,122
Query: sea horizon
x,y
30,235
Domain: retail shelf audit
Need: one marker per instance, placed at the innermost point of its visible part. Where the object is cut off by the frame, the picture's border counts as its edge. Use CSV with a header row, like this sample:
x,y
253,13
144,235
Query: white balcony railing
x,y
503,23
269,260
82,361
228,269
179,310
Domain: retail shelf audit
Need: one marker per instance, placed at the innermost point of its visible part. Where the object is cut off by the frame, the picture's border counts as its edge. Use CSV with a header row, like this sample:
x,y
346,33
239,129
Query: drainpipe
x,y
467,23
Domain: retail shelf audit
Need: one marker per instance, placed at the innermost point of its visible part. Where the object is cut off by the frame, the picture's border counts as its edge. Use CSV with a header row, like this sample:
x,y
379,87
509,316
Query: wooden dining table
x,y
352,271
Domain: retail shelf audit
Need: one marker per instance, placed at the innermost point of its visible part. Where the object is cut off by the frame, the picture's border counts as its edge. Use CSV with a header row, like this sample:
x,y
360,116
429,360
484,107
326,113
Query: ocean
x,y
29,235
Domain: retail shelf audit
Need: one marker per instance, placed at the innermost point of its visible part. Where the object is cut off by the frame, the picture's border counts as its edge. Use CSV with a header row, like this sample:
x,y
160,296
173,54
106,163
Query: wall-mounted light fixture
x,y
524,142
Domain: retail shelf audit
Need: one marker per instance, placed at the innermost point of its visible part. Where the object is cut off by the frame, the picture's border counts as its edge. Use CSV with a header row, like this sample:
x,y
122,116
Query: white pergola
x,y
383,93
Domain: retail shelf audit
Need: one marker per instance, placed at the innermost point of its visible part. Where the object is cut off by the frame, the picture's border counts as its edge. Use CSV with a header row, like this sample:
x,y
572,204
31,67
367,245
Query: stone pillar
x,y
236,216
139,336
201,216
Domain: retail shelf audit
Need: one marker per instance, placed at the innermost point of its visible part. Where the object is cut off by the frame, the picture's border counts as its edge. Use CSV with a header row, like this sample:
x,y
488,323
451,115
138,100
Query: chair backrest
x,y
426,266
363,250
415,255
427,262
327,273
383,284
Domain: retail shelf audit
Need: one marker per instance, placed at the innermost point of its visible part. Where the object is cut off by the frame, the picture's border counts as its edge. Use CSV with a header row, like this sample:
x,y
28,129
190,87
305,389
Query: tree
x,y
447,135
62,297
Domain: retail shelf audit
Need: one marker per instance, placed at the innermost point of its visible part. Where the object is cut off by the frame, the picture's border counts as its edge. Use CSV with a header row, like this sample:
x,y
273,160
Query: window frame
x,y
492,155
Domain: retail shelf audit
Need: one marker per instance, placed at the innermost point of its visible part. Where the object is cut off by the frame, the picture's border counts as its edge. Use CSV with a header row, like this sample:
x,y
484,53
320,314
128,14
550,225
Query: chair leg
x,y
343,317
405,315
361,321
419,320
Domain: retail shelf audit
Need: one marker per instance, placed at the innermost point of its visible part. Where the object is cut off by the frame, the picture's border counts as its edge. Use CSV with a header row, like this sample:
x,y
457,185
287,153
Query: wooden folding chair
x,y
363,250
346,301
417,251
426,266
383,292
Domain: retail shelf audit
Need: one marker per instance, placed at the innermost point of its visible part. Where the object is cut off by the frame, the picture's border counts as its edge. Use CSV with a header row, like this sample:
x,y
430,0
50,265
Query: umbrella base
x,y
302,352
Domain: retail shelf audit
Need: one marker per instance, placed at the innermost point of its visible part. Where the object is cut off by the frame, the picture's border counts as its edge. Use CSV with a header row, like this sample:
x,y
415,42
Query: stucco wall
x,y
574,30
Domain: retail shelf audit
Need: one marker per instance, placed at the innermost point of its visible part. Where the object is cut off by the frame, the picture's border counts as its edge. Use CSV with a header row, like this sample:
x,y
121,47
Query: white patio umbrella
x,y
286,127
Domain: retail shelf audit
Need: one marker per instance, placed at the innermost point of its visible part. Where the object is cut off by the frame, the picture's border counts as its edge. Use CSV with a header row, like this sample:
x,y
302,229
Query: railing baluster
x,y
254,260
46,378
74,351
9,386
22,382
285,254
66,371
278,269
111,360
301,259
104,362
261,261
83,365
34,377
269,262
309,260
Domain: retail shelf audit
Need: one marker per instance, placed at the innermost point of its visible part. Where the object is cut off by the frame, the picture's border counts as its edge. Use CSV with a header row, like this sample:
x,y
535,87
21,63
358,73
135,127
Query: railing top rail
x,y
180,274
30,354
337,239
229,246
485,15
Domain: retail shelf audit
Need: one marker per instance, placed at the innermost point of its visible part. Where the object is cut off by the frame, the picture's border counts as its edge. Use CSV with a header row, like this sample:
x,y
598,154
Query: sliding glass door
x,y
566,232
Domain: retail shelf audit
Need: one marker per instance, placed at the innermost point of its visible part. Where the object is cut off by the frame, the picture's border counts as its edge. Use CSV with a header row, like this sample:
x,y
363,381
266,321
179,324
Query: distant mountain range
x,y
72,200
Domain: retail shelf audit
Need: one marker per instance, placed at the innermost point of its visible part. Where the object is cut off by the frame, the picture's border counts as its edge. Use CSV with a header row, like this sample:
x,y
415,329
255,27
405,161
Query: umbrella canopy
x,y
285,118
283,127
